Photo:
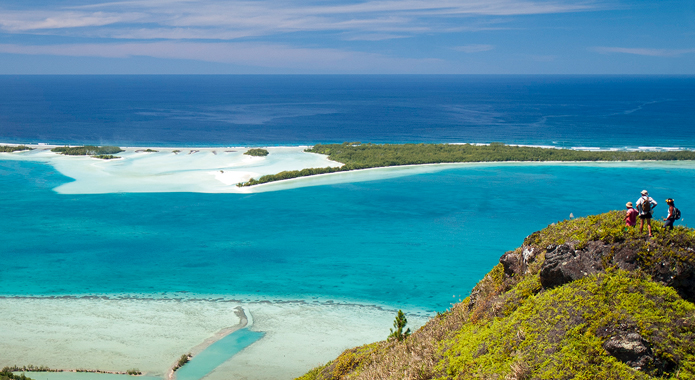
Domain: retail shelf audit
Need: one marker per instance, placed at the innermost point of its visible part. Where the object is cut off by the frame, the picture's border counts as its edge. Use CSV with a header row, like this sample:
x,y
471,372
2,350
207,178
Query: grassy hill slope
x,y
581,299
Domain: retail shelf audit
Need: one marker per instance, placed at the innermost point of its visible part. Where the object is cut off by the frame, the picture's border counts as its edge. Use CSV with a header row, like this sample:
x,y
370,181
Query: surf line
x,y
243,322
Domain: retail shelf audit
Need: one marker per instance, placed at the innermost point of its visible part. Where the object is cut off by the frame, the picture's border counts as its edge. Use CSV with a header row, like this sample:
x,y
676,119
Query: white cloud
x,y
261,55
475,48
228,19
643,51
27,21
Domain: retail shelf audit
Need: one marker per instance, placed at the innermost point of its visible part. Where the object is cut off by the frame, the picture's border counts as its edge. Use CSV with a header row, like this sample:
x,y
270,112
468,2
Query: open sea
x,y
417,242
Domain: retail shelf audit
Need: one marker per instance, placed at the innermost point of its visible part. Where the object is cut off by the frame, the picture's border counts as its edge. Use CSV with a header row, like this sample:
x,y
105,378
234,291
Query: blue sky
x,y
370,36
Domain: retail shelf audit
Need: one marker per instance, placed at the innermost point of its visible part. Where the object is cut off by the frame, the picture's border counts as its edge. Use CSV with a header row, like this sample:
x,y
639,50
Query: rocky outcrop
x,y
565,263
631,349
517,263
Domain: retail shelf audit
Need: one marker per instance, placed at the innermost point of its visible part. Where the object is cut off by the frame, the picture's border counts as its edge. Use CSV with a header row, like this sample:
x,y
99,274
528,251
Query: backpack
x,y
646,206
676,213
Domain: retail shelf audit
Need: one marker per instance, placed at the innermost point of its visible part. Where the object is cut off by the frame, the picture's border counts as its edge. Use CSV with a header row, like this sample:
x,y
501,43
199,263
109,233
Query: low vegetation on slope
x,y
355,155
585,299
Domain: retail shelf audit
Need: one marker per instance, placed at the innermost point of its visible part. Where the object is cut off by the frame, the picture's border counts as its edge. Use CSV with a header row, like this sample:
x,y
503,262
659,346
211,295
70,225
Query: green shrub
x,y
258,152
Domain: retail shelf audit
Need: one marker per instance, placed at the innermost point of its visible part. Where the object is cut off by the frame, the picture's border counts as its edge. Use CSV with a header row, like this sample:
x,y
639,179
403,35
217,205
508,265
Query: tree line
x,y
355,155
10,149
87,150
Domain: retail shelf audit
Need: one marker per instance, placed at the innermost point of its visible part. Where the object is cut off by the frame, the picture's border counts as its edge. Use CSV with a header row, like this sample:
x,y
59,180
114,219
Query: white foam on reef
x,y
150,335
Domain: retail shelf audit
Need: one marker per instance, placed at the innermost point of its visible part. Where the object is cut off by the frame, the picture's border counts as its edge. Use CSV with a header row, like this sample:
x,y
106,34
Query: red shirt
x,y
631,217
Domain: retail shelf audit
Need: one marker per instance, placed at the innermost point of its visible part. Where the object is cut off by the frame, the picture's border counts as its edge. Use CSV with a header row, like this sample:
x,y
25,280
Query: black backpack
x,y
676,213
646,206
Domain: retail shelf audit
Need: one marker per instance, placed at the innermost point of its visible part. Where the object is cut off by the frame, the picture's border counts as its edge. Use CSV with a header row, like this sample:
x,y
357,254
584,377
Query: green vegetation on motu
x,y
513,328
355,155
133,372
148,150
176,151
258,152
87,150
10,149
105,156
29,368
182,361
6,374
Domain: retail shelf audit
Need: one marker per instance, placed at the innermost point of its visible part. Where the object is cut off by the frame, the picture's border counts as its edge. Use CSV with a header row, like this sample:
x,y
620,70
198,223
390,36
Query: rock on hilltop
x,y
583,299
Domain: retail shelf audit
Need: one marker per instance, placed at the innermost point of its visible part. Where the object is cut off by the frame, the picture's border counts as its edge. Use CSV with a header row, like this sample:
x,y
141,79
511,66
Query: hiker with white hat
x,y
645,206
631,215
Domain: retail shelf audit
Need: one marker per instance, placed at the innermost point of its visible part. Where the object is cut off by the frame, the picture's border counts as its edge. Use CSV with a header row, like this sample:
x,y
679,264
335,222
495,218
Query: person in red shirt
x,y
631,215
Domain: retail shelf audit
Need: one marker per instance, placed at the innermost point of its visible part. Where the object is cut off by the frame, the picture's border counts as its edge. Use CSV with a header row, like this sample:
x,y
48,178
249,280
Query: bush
x,y
257,152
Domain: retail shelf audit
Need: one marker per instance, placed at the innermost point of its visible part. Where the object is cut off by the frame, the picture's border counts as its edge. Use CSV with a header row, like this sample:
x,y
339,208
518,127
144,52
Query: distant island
x,y
10,149
258,152
355,155
581,299
103,152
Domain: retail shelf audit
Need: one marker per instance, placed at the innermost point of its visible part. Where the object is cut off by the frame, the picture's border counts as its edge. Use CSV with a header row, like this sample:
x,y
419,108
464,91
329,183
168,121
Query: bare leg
x,y
649,227
641,225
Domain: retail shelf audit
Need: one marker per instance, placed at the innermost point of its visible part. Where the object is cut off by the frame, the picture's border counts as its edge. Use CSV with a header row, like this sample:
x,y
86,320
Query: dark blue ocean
x,y
567,111
418,242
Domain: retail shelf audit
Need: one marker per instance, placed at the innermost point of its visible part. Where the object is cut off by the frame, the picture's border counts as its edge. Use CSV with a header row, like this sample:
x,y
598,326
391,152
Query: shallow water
x,y
218,353
83,376
417,242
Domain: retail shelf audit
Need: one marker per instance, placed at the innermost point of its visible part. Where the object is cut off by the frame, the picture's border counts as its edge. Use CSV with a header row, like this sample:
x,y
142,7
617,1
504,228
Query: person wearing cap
x,y
631,216
668,221
645,206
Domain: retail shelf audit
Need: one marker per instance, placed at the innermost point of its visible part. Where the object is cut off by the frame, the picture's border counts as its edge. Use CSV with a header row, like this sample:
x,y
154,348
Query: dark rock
x,y
516,263
631,349
512,263
564,264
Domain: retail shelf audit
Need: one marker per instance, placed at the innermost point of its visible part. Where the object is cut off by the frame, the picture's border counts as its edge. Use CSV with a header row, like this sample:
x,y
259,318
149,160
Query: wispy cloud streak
x,y
217,19
475,48
252,54
643,51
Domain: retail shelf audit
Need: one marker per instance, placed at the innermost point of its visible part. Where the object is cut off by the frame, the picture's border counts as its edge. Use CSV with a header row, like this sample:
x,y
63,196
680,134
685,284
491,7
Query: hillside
x,y
582,299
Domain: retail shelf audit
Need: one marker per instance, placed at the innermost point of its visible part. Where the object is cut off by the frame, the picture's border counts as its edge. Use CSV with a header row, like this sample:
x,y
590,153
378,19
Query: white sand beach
x,y
201,170
120,334
218,170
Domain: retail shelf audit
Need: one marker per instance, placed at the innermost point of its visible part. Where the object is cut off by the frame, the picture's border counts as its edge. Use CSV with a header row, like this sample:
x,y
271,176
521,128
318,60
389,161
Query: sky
x,y
347,37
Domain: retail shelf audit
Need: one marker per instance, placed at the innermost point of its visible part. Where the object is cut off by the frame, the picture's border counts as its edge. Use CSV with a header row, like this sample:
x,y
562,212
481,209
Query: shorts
x,y
646,216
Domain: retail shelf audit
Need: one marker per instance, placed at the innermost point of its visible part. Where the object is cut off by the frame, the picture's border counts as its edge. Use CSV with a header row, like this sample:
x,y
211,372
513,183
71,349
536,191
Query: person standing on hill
x,y
645,206
673,214
631,215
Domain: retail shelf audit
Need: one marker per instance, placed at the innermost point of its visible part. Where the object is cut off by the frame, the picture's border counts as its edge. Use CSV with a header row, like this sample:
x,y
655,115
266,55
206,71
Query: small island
x,y
355,156
102,152
10,149
257,152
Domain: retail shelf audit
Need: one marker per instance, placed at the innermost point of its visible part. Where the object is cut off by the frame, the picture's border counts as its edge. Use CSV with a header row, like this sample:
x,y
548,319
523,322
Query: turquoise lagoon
x,y
417,242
